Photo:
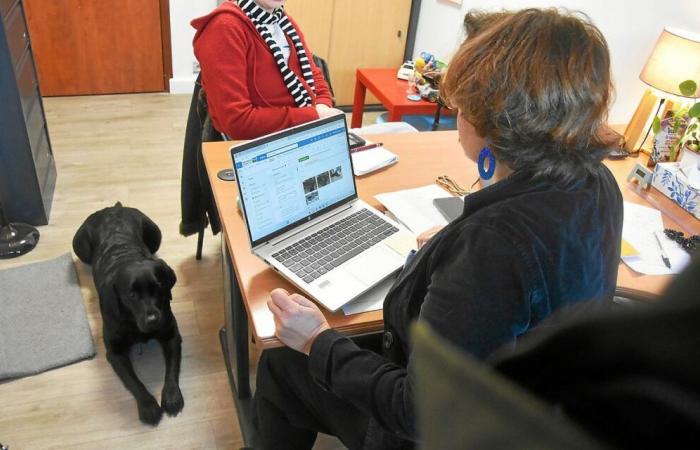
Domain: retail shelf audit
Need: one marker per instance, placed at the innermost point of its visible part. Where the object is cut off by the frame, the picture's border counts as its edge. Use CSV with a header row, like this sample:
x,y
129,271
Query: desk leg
x,y
358,104
234,344
394,115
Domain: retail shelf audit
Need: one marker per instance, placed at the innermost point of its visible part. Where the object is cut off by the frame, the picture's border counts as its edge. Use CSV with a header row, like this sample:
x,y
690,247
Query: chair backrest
x,y
209,132
323,65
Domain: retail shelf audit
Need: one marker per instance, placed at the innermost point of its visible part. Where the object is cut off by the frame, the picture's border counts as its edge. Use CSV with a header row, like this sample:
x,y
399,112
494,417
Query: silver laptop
x,y
303,216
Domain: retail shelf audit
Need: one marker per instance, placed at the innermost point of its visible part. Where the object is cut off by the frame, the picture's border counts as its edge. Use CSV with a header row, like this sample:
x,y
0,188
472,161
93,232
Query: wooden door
x,y
100,46
365,33
314,17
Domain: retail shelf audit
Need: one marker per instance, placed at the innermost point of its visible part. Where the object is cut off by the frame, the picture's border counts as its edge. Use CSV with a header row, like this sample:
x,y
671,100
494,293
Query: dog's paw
x,y
149,411
172,400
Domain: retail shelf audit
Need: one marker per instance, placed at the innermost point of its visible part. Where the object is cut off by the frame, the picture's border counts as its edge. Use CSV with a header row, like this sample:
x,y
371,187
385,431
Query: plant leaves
x,y
688,88
694,110
656,125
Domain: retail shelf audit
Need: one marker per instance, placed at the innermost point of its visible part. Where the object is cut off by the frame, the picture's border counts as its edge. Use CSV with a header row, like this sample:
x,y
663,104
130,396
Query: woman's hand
x,y
325,111
297,320
425,236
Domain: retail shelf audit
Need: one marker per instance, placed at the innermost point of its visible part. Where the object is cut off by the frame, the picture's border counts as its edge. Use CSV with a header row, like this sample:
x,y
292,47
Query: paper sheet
x,y
638,230
372,300
414,207
367,161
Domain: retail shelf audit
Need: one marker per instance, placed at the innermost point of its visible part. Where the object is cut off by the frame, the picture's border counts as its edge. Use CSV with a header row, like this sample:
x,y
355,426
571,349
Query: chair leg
x,y
200,243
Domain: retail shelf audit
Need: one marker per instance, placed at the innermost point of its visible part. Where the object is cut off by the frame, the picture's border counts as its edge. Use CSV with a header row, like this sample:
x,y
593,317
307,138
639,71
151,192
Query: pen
x,y
366,147
664,257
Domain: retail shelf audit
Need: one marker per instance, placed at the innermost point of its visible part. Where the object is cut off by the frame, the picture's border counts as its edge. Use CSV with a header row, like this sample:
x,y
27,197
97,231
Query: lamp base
x,y
16,239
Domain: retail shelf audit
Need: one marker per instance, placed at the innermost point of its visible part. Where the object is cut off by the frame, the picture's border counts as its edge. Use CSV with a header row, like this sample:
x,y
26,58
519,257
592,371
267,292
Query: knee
x,y
277,367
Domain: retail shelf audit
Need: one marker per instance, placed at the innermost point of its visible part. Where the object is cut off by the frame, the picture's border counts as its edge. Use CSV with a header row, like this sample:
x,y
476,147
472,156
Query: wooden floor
x,y
126,148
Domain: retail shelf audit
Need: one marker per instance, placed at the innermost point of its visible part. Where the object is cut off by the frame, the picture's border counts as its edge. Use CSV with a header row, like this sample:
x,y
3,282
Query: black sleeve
x,y
477,298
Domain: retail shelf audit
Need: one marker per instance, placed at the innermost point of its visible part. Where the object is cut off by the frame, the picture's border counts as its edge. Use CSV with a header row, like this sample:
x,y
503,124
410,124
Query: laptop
x,y
303,215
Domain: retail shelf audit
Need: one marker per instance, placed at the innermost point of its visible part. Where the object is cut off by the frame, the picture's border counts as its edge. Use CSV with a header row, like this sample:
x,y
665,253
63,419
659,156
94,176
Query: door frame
x,y
412,29
165,43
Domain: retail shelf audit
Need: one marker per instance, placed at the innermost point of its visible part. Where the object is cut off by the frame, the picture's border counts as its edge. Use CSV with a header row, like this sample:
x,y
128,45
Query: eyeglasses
x,y
451,186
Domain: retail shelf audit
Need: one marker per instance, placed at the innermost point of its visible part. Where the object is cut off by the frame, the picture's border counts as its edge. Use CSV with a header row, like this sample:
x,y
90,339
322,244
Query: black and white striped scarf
x,y
260,18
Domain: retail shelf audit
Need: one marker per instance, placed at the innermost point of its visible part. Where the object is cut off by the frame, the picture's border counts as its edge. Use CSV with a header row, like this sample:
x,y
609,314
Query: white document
x,y
372,300
638,229
414,207
366,161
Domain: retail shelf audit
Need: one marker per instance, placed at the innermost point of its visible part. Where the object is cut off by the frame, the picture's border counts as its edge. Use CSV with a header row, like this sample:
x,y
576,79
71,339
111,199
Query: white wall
x,y
181,34
630,27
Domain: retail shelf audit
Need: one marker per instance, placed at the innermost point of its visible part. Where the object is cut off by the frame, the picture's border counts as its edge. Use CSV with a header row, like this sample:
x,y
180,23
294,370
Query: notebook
x,y
303,215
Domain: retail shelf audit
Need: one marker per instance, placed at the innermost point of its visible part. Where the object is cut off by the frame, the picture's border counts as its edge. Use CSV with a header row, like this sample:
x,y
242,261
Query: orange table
x,y
390,91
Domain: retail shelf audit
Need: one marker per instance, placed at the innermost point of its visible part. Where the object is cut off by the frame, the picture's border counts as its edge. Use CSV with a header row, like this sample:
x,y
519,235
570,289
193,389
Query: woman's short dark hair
x,y
536,84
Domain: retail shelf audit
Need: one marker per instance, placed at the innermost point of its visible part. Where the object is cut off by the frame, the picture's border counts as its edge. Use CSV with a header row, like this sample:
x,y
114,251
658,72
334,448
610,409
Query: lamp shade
x,y
675,59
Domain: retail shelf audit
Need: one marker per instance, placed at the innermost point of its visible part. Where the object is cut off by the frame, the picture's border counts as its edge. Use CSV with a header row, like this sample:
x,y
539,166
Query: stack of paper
x,y
367,161
414,207
640,249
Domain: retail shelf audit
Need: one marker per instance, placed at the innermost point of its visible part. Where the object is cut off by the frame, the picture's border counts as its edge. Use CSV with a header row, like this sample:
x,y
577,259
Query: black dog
x,y
134,290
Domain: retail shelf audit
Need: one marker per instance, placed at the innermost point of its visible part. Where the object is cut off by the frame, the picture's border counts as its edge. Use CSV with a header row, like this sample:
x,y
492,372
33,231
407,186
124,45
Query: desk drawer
x,y
5,6
17,37
26,83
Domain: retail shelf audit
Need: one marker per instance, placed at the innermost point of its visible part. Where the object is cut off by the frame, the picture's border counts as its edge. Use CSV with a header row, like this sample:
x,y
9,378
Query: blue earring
x,y
486,172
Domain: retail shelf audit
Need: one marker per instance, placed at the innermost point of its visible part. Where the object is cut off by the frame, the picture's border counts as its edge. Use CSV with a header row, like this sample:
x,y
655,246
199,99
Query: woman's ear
x,y
166,275
82,243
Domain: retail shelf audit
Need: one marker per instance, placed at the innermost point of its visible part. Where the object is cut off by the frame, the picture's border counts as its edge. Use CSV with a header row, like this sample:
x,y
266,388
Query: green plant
x,y
688,118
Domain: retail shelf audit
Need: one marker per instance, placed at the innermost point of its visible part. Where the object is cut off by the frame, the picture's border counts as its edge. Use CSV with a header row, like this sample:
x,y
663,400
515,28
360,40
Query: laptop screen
x,y
292,176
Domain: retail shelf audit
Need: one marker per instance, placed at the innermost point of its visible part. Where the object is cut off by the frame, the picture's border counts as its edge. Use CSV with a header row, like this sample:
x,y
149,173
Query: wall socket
x,y
195,67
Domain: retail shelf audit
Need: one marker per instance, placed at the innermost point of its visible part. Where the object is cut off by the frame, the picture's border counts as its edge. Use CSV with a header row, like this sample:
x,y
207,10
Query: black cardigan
x,y
521,249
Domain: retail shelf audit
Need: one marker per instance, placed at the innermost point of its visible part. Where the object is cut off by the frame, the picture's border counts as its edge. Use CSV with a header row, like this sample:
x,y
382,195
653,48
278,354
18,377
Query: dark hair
x,y
536,84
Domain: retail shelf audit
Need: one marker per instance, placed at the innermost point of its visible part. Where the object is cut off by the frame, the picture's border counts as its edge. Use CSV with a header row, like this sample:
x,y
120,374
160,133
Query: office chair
x,y
622,378
197,201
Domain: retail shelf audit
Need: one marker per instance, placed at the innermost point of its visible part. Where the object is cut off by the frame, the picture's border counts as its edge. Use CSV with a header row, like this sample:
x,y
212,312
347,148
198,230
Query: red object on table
x,y
390,91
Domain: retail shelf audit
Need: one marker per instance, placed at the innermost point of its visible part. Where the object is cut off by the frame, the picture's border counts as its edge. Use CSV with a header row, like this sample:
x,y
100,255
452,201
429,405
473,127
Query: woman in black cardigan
x,y
532,88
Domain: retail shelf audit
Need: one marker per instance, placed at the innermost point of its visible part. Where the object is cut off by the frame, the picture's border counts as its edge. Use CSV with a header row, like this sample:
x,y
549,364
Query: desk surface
x,y
423,156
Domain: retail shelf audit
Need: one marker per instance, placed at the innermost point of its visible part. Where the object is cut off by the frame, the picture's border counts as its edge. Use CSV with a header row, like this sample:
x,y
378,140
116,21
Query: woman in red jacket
x,y
257,70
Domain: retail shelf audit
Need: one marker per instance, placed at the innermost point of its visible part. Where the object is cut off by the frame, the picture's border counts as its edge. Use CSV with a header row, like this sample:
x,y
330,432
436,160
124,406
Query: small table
x,y
390,91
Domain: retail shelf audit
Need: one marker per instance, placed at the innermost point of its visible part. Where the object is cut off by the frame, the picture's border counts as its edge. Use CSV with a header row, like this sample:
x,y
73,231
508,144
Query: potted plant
x,y
679,129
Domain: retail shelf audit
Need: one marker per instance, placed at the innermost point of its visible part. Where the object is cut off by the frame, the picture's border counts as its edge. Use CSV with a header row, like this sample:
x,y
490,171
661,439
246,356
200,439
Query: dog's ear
x,y
82,242
113,302
150,232
165,274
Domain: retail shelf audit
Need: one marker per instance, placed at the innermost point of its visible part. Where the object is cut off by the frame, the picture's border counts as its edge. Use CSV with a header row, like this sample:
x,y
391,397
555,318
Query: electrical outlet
x,y
195,67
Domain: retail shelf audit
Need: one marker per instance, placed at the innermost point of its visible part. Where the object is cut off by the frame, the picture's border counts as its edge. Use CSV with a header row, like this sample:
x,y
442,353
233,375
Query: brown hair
x,y
536,84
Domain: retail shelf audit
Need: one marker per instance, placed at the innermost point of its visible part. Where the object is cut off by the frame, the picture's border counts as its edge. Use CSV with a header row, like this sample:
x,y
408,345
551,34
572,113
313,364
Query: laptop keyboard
x,y
330,247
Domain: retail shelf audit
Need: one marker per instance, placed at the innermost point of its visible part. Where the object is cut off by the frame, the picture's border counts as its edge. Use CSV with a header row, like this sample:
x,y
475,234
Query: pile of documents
x,y
645,249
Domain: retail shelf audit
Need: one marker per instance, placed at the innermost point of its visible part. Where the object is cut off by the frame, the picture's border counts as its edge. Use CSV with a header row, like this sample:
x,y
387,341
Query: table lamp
x,y
675,59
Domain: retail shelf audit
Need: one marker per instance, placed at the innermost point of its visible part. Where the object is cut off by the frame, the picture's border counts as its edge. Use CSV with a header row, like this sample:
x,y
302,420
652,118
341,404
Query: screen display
x,y
289,178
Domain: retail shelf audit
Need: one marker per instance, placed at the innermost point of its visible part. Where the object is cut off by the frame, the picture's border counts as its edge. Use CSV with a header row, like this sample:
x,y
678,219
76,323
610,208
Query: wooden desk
x,y
423,156
390,91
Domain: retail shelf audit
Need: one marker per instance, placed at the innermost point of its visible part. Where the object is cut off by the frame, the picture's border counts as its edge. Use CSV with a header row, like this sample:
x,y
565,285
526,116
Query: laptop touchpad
x,y
373,265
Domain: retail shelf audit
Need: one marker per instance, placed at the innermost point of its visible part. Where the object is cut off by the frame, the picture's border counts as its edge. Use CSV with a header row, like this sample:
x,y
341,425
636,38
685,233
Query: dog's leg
x,y
171,397
149,411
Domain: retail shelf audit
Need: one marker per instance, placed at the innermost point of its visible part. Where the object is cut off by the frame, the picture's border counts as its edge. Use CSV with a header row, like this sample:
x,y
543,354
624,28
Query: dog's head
x,y
143,289
105,222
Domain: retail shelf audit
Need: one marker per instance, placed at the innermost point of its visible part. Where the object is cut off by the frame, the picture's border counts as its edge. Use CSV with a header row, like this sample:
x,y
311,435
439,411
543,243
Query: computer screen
x,y
294,176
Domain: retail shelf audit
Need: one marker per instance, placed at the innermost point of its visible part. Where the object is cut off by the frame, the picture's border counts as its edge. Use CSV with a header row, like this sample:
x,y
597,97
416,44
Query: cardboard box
x,y
674,184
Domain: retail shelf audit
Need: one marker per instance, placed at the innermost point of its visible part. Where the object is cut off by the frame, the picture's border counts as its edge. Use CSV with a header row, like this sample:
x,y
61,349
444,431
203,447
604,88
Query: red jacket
x,y
245,92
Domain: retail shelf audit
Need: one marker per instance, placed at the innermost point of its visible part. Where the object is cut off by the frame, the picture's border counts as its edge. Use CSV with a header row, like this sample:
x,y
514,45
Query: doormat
x,y
43,324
